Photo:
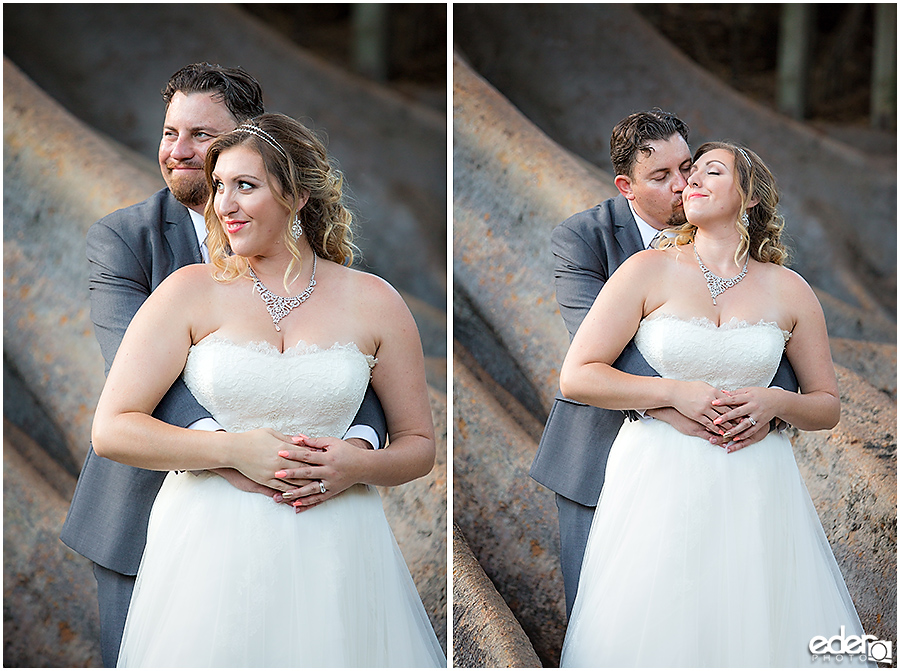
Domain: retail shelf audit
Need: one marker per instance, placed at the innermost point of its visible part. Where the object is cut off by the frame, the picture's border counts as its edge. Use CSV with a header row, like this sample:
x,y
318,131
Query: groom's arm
x,y
581,270
579,273
370,424
119,283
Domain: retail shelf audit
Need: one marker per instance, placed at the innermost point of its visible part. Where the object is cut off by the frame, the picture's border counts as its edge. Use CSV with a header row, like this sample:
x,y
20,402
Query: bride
x,y
230,578
700,556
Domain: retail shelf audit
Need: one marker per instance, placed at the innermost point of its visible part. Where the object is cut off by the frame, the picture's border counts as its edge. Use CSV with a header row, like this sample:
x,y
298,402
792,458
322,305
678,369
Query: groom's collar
x,y
646,230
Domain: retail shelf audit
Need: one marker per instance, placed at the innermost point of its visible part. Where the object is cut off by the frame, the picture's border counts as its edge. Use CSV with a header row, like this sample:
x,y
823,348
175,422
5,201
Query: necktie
x,y
204,251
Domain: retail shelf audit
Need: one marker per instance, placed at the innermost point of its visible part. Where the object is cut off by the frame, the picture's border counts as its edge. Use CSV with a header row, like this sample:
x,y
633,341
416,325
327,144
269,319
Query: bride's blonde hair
x,y
296,160
761,235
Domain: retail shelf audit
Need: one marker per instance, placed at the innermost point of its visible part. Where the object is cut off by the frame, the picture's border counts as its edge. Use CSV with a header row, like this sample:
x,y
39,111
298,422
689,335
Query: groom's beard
x,y
189,189
677,218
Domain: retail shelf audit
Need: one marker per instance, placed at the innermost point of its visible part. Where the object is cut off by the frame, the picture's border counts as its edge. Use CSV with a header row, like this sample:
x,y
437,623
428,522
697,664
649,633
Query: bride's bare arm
x,y
152,355
399,380
587,374
817,406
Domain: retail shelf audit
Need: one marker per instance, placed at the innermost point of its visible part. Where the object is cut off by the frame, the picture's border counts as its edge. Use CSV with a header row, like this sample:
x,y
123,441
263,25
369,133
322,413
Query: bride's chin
x,y
702,220
241,250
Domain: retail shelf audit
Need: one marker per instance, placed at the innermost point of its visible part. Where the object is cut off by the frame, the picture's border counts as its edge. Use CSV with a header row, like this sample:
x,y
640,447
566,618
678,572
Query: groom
x,y
651,158
131,252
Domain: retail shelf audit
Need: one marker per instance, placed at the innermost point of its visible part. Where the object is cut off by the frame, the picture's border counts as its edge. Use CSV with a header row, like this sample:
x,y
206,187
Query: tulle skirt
x,y
699,558
231,579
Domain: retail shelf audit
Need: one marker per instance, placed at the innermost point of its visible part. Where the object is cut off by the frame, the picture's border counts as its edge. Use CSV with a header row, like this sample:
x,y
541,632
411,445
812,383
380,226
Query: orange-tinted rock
x,y
485,632
851,474
49,594
508,520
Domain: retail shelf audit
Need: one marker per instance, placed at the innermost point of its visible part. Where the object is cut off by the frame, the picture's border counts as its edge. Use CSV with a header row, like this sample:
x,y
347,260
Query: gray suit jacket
x,y
589,246
131,251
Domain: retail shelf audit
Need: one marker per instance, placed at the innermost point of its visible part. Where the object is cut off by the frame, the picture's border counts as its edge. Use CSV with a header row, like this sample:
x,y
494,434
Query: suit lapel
x,y
179,233
627,234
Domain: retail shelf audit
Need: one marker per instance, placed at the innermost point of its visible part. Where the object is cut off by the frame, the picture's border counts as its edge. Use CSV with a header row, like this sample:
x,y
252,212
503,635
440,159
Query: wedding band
x,y
322,489
752,421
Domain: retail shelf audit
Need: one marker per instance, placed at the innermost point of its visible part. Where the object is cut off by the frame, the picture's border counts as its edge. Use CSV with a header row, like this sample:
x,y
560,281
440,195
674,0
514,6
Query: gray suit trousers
x,y
574,527
114,594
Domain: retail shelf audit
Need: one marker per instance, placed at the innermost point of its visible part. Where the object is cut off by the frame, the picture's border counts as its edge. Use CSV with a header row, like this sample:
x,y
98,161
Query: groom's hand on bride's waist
x,y
240,481
685,425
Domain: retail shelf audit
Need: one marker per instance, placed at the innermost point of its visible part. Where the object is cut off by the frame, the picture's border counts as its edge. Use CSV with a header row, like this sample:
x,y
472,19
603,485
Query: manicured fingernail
x,y
279,498
283,453
281,474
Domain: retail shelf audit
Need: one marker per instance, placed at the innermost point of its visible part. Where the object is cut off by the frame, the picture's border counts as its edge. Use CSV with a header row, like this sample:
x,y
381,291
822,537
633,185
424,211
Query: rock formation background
x,y
537,89
82,120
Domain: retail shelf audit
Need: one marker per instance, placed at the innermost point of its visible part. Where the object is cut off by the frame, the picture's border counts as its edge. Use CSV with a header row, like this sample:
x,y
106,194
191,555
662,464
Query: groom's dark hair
x,y
240,92
635,132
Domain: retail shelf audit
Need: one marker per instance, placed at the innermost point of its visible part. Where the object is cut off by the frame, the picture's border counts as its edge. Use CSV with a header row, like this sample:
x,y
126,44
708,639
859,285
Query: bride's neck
x,y
271,269
718,250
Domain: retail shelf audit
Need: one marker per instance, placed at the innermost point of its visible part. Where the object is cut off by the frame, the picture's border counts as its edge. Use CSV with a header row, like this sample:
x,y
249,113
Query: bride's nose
x,y
225,203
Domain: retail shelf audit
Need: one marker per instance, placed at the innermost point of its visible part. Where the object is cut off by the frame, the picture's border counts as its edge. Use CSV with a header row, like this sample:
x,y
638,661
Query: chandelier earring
x,y
745,219
296,227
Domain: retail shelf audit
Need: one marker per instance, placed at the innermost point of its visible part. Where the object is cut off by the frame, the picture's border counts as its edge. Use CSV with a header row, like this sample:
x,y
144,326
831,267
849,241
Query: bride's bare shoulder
x,y
791,290
650,263
786,279
186,284
196,272
371,294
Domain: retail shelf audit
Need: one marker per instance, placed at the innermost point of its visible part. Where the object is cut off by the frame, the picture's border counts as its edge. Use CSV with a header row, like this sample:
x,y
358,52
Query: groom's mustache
x,y
172,165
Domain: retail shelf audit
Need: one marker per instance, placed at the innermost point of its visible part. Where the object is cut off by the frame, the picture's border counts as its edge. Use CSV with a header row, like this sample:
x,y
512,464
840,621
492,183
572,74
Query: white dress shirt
x,y
646,230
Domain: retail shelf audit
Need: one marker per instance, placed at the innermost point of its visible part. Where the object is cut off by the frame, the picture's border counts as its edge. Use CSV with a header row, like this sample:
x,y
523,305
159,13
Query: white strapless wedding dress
x,y
231,579
697,557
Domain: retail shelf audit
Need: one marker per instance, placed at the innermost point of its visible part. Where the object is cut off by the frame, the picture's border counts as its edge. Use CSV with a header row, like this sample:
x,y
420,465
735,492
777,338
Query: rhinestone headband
x,y
744,154
260,133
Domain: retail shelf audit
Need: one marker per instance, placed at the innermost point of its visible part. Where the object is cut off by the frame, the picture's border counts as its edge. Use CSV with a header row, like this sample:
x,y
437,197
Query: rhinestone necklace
x,y
716,284
280,306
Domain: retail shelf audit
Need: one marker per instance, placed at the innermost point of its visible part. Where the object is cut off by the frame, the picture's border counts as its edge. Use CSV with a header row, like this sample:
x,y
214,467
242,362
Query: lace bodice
x,y
731,356
307,389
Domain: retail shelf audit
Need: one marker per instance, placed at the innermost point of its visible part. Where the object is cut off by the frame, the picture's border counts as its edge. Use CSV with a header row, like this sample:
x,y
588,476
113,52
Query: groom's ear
x,y
623,184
